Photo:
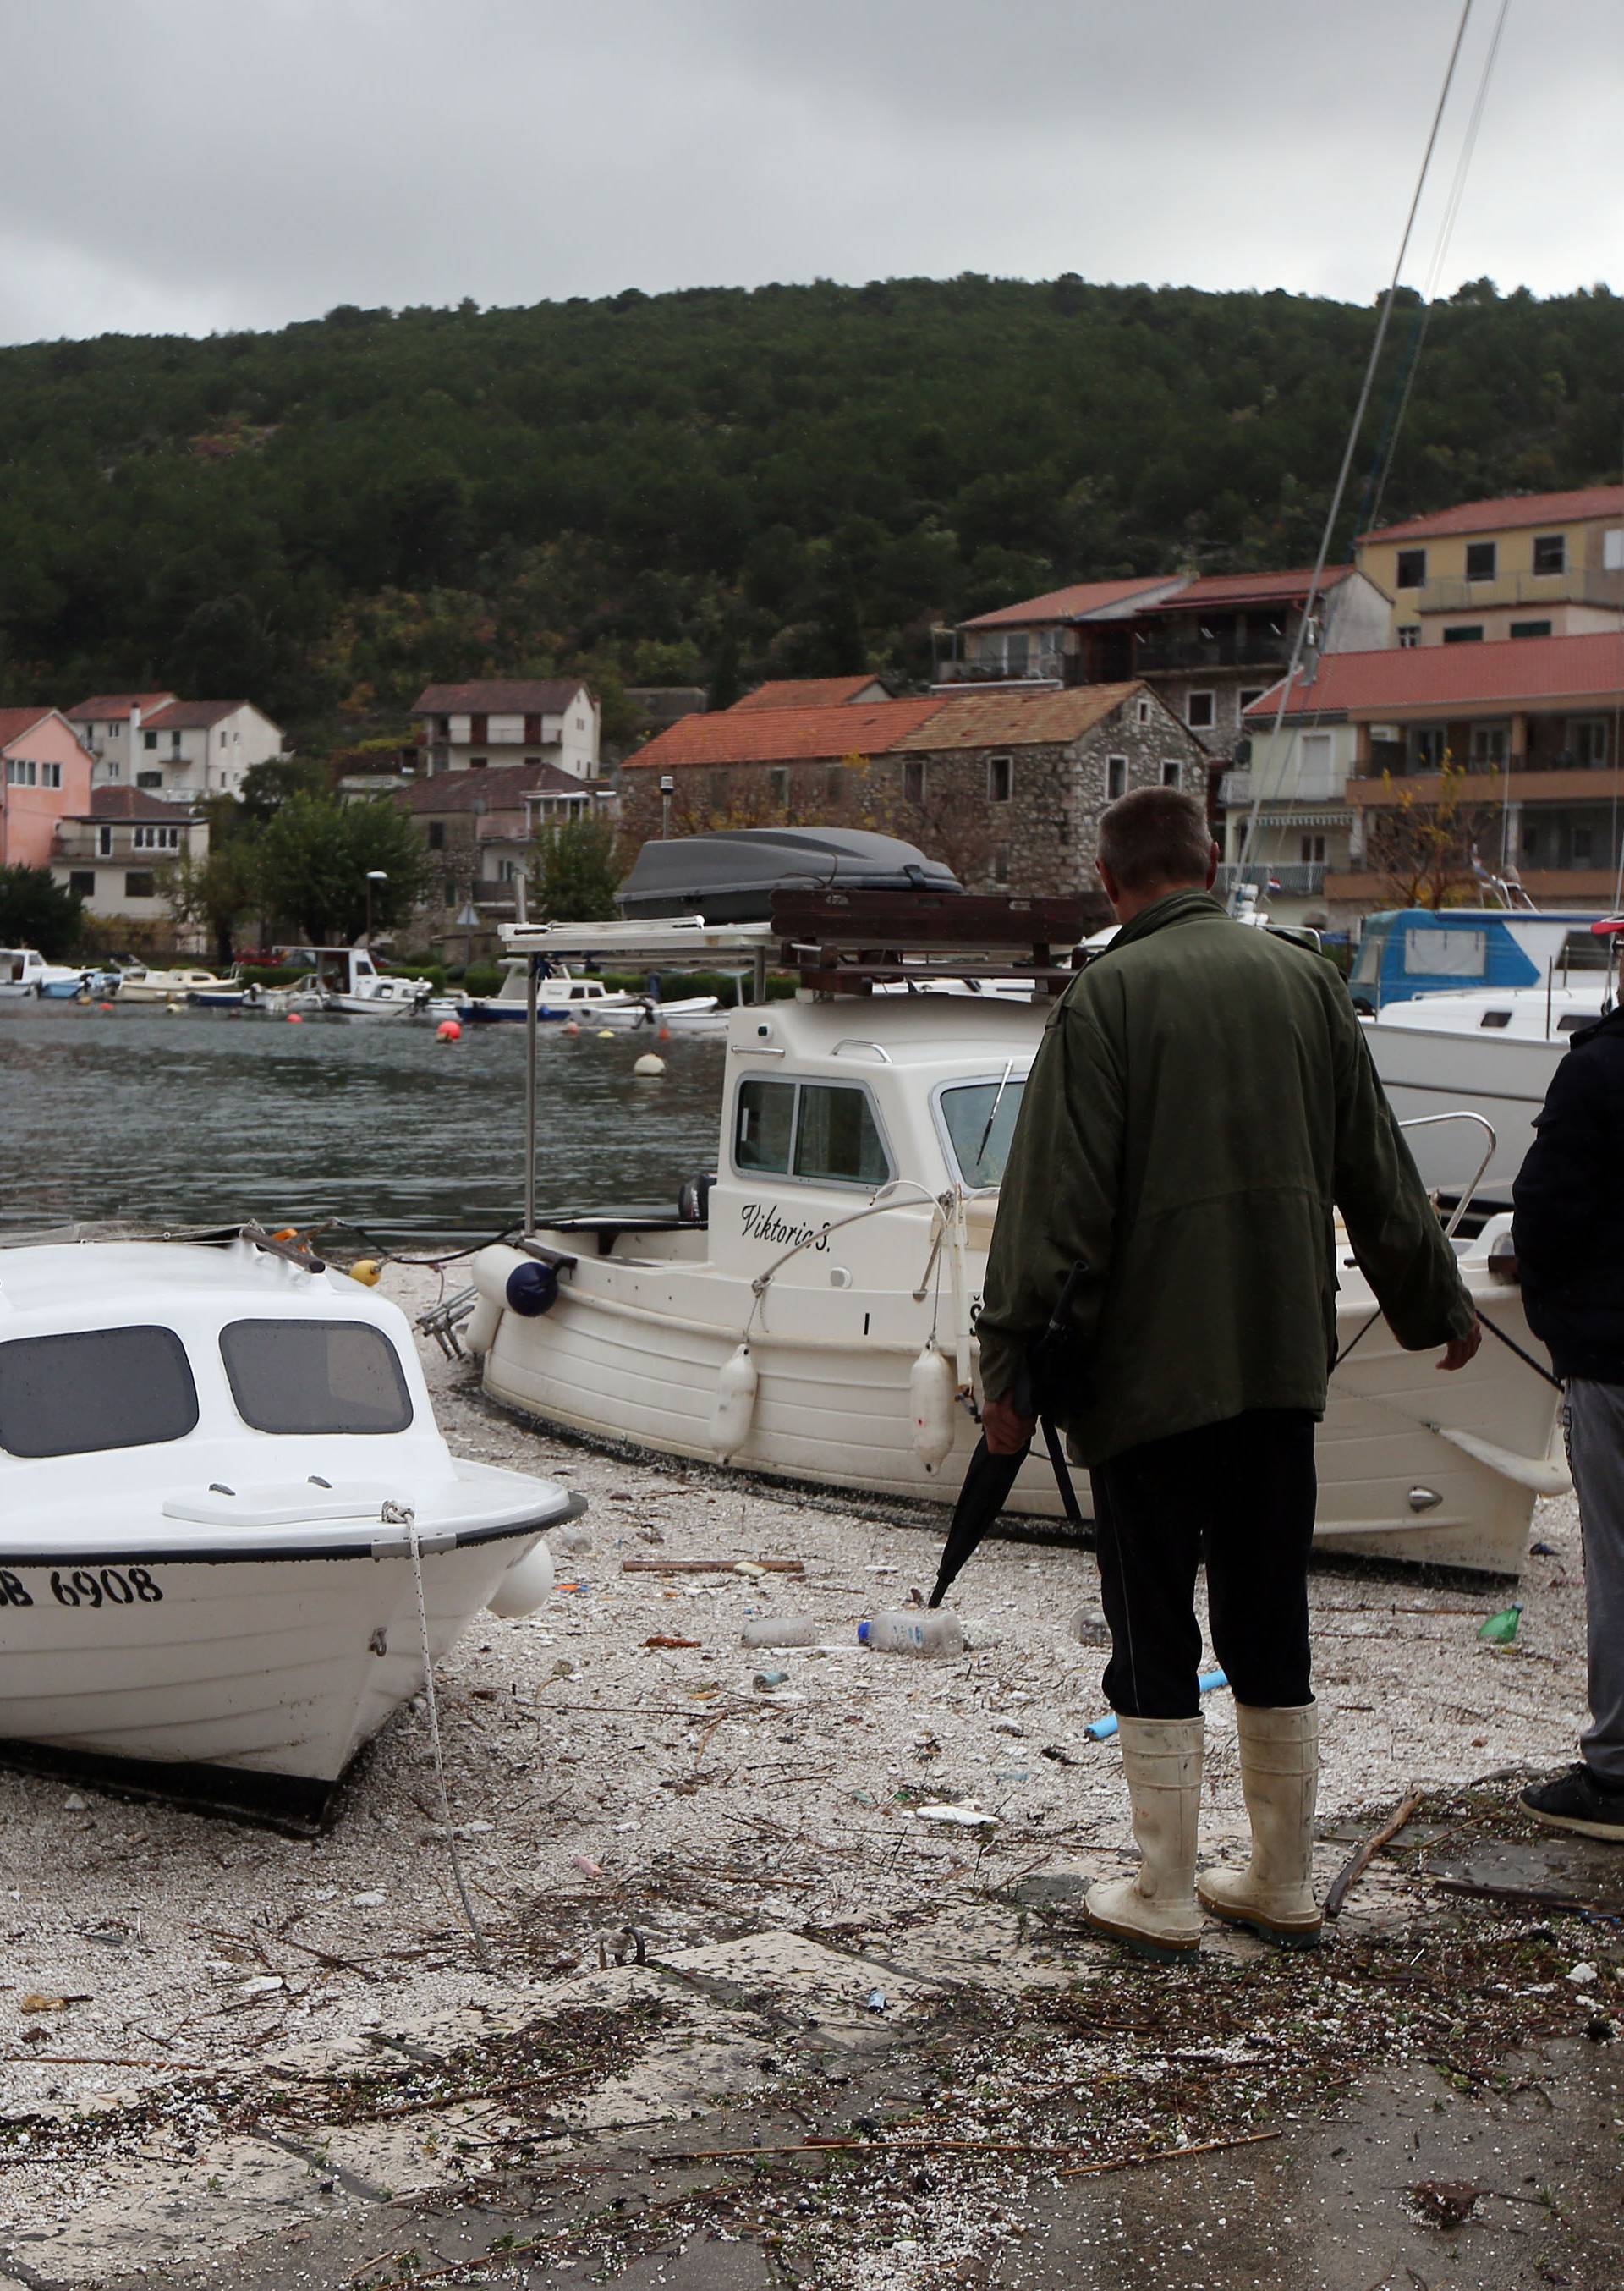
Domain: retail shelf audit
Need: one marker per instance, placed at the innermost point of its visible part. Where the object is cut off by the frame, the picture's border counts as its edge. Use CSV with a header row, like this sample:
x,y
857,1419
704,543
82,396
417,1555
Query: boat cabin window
x,y
1574,1020
823,1132
1495,1018
95,1389
980,1124
1446,953
314,1375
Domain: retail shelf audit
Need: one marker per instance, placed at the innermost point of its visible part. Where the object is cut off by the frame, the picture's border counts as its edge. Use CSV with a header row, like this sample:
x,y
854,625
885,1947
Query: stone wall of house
x,y
1021,819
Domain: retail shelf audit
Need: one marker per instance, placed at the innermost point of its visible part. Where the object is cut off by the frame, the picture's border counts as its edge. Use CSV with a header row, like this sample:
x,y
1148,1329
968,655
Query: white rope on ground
x,y
403,1516
1306,617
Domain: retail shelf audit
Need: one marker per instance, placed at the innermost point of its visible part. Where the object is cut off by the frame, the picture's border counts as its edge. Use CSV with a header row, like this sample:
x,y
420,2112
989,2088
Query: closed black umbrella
x,y
989,1478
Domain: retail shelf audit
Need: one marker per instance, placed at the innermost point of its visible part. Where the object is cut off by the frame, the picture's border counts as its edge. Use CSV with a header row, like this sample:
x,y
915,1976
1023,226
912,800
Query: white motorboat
x,y
379,997
24,972
143,984
809,1311
563,997
220,1473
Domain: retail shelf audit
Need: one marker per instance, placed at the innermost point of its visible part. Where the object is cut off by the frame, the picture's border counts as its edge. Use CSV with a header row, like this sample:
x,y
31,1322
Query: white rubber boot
x,y
1155,1912
1280,1769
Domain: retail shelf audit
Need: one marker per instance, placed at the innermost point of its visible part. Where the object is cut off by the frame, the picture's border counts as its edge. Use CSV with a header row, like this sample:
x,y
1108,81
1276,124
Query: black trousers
x,y
1238,1495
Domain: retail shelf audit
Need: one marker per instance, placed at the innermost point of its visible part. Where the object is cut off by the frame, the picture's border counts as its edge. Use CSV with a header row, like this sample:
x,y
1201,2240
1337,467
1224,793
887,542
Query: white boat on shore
x,y
809,1311
141,983
220,1476
563,998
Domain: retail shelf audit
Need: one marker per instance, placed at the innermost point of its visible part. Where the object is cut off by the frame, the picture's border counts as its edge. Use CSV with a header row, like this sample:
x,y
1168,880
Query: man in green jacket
x,y
1201,1102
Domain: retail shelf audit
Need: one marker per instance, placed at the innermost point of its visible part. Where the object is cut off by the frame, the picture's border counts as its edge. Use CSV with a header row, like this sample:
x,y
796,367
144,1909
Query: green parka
x,y
1201,1098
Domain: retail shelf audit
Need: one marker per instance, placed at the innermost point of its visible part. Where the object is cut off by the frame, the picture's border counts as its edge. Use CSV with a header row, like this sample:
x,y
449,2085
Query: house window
x,y
222,738
138,886
479,729
82,882
149,739
1482,559
113,731
1001,779
437,834
442,727
1116,777
779,786
477,763
1142,711
104,842
174,744
1582,844
1201,711
1249,698
1531,628
1491,744
19,773
1410,634
149,779
1464,632
532,762
1588,741
1312,850
834,783
1172,773
1000,863
913,780
1412,570
1428,743
1530,842
50,775
1612,549
1550,552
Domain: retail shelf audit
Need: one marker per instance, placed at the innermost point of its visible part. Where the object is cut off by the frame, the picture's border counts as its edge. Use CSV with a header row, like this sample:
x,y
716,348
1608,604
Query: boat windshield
x,y
95,1389
980,1124
314,1375
1367,970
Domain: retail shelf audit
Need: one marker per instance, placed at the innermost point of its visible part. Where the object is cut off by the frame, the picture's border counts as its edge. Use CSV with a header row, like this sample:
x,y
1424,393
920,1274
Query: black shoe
x,y
1578,1800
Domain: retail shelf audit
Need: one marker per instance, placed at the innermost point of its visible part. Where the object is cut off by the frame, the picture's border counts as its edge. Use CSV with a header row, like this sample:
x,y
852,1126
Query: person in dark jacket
x,y
1567,1232
1201,1104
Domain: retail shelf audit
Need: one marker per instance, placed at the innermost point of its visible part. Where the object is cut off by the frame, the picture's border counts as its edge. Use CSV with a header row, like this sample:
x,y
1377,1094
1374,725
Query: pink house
x,y
44,777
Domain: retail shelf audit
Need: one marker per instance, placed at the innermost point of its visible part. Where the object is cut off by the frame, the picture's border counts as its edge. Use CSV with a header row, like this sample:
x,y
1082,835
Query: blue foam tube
x,y
1101,1730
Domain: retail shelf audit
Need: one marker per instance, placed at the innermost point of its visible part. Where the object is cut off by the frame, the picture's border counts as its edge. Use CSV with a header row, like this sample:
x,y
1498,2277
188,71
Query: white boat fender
x,y
1541,1475
483,1322
526,1584
931,1395
735,1404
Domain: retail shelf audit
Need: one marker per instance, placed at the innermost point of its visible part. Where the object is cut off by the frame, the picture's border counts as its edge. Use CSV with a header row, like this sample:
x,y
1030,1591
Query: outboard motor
x,y
693,1198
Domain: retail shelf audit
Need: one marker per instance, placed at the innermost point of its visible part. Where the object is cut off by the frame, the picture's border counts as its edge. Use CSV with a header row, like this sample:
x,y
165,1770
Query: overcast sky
x,y
185,165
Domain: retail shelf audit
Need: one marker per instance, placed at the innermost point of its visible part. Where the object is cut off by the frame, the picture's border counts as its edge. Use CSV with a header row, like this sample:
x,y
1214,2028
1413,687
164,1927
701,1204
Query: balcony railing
x,y
1239,651
1035,668
1581,585
1300,879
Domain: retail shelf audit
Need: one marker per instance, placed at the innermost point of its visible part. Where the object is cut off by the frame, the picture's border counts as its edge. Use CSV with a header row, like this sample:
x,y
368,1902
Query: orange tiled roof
x,y
1016,719
780,735
805,692
1510,510
1523,669
103,706
1219,591
15,721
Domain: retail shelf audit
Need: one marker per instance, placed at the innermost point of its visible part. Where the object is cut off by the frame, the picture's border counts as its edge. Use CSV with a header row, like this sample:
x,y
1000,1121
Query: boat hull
x,y
628,1356
1426,1071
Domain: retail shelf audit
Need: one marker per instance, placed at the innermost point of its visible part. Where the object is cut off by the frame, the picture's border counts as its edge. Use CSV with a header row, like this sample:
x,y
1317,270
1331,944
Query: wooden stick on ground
x,y
1168,2155
711,1566
1348,1876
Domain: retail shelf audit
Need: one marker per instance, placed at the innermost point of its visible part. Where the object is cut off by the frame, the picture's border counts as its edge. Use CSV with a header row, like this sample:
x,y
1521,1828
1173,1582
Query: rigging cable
x,y
1334,512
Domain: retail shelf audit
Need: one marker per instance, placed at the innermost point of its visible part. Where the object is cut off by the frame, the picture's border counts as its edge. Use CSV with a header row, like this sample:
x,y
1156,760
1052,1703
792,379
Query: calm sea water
x,y
208,1117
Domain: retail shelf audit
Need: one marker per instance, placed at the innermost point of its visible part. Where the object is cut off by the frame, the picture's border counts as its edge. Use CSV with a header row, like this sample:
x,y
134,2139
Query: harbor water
x,y
204,1117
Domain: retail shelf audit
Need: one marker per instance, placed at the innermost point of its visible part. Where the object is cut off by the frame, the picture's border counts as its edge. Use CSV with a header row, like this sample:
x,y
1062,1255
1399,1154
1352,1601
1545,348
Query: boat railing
x,y
1430,1122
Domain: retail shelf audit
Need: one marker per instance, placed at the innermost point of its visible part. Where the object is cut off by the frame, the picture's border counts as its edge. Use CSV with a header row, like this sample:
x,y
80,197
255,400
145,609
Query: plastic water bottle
x,y
913,1631
784,1631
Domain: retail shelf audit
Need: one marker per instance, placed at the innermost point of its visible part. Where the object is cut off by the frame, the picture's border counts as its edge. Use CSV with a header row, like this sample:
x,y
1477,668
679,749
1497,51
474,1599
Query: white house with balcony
x,y
121,856
1289,796
494,721
177,750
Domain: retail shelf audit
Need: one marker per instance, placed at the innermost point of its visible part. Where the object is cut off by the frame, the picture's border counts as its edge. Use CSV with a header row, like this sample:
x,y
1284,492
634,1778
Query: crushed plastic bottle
x,y
913,1631
784,1631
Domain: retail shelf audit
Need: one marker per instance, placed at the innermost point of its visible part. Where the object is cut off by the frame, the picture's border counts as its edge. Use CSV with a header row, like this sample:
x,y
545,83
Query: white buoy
x,y
649,1064
735,1404
931,1395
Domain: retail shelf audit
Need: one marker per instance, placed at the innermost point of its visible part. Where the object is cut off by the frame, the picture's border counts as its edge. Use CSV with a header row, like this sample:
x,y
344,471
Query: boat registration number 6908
x,y
85,1586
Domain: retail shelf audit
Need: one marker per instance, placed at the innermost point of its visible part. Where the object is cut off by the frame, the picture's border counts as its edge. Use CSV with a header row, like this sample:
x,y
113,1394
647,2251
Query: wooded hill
x,y
704,486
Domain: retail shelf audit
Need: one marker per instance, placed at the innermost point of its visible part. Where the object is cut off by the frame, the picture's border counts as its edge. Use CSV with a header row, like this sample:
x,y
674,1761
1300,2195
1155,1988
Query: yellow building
x,y
1534,564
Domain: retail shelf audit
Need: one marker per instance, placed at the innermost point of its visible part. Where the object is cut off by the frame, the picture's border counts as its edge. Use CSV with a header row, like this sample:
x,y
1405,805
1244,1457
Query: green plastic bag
x,y
1501,1630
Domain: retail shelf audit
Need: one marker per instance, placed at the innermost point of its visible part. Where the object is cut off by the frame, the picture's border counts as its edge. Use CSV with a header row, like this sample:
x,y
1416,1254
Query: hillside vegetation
x,y
707,485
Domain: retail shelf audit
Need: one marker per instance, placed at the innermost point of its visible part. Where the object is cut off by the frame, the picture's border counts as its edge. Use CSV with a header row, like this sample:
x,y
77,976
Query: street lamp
x,y
668,788
373,875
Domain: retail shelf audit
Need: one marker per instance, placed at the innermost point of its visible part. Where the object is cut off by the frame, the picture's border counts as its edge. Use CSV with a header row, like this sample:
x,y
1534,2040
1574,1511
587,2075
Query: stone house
x,y
1005,786
479,827
119,852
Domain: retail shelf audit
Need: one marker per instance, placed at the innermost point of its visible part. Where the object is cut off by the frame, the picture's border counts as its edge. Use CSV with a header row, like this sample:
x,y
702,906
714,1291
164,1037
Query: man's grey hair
x,y
1155,835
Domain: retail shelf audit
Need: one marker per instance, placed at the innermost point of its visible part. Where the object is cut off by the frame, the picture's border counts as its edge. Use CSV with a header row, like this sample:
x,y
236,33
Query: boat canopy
x,y
731,876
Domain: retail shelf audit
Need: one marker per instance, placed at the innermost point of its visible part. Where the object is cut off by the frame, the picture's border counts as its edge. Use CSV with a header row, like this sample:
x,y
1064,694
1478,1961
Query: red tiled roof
x,y
776,735
1523,668
805,692
1016,719
1510,510
499,696
1219,591
106,706
131,803
15,721
501,788
192,715
1072,604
